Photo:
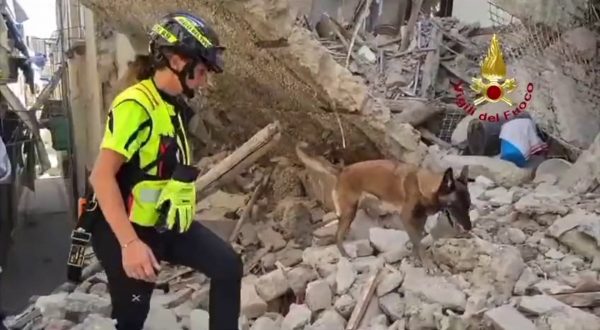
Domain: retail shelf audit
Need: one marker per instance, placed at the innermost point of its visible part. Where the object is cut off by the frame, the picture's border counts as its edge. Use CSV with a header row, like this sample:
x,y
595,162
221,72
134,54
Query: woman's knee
x,y
232,266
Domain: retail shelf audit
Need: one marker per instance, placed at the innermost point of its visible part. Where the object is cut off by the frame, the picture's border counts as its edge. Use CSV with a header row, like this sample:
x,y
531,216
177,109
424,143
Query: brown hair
x,y
138,69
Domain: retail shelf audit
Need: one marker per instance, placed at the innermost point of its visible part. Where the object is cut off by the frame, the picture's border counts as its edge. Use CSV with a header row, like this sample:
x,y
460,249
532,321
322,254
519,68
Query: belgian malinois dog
x,y
414,191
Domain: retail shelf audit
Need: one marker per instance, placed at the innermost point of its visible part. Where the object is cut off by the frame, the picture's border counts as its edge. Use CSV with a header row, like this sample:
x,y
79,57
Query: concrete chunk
x,y
508,318
252,305
318,295
272,285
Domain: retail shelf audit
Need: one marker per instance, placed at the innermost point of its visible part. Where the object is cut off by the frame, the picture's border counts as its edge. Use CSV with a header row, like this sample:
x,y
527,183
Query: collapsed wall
x,y
297,82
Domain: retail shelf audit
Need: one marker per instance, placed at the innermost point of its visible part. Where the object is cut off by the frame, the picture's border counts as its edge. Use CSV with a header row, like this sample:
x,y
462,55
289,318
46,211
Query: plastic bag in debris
x,y
5,166
519,140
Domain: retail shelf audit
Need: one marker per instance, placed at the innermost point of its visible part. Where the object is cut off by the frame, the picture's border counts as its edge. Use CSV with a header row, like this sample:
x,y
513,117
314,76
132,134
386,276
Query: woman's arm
x,y
103,180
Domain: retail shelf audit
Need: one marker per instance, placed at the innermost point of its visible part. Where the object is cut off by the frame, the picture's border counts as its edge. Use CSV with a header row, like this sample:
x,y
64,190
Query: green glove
x,y
179,197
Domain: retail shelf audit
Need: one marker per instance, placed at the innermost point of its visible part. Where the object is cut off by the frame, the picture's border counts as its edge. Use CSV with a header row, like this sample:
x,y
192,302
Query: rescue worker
x,y
143,174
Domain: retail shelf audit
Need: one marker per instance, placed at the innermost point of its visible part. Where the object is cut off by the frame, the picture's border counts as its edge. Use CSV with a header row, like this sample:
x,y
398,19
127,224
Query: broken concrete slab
x,y
345,275
99,322
272,285
501,172
433,289
579,230
553,167
252,305
218,204
199,319
299,277
328,320
162,318
544,201
386,240
583,176
345,305
264,323
540,304
389,282
318,295
558,315
508,318
297,317
392,305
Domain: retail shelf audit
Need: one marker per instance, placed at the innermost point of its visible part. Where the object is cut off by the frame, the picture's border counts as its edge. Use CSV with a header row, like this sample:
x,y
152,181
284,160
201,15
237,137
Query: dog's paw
x,y
429,266
431,269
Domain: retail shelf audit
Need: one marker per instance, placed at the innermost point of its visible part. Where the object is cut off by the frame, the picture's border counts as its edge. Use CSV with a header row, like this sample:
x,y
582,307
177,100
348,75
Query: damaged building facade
x,y
361,80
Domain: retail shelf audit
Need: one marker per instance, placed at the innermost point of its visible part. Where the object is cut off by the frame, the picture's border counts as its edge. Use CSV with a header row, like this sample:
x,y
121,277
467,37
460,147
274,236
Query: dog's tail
x,y
318,164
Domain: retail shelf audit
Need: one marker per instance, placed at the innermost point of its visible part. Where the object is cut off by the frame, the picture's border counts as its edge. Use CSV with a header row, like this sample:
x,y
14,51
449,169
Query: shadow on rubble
x,y
36,260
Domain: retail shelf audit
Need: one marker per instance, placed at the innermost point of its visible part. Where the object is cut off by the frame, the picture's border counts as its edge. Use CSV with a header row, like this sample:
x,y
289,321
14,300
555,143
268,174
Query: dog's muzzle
x,y
455,224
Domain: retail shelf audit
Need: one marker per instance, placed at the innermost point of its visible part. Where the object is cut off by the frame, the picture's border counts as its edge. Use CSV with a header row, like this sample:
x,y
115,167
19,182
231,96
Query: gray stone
x,y
392,305
198,320
252,305
317,255
584,175
345,305
433,289
553,167
386,240
99,289
508,318
396,255
160,318
359,248
272,285
542,203
297,317
318,295
502,172
581,222
172,299
499,196
328,320
54,324
421,316
79,305
269,237
52,306
299,276
264,323
345,276
540,304
97,322
289,257
516,235
368,264
525,281
552,287
389,282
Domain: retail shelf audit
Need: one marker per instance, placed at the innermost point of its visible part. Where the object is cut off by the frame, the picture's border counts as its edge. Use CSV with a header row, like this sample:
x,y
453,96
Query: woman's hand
x,y
139,261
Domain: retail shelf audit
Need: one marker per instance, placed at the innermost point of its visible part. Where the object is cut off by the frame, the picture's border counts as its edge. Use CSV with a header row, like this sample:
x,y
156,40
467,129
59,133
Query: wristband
x,y
124,246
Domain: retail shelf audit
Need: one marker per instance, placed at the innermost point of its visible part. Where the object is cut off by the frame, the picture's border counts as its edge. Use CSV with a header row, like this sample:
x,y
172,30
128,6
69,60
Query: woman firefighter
x,y
144,181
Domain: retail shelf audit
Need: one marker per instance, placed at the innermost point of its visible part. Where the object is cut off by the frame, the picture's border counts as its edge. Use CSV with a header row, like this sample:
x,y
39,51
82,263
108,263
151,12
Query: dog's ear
x,y
447,185
464,175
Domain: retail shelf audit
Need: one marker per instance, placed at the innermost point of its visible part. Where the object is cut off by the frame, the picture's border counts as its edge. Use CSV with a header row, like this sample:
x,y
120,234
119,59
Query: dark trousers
x,y
198,248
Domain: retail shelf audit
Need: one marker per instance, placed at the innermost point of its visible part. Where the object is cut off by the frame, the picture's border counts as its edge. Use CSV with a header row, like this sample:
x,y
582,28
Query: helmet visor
x,y
214,59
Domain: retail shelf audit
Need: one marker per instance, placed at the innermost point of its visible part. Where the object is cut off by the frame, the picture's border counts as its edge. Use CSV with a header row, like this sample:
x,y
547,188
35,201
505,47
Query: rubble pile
x,y
415,84
532,262
338,86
